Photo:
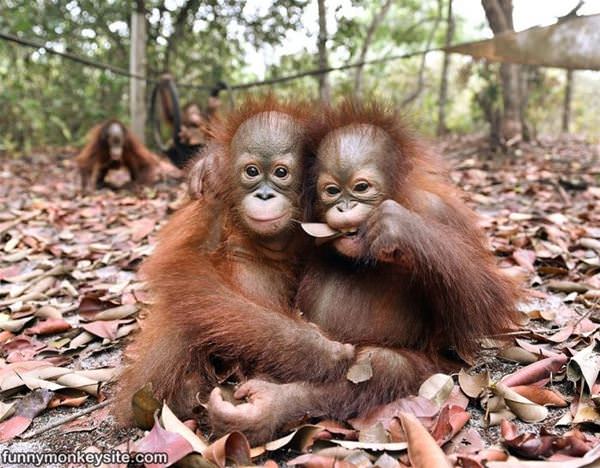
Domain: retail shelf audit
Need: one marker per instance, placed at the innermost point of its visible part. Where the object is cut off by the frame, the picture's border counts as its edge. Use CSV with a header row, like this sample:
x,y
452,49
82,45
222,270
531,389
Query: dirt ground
x,y
537,204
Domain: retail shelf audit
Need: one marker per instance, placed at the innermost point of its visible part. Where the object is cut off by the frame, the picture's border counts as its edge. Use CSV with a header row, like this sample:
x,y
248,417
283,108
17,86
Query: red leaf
x,y
103,328
141,228
160,441
541,396
416,405
91,304
536,371
450,421
525,258
13,427
26,409
48,326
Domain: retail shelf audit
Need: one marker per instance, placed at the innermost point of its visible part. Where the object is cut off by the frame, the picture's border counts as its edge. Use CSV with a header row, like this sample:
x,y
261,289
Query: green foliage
x,y
49,100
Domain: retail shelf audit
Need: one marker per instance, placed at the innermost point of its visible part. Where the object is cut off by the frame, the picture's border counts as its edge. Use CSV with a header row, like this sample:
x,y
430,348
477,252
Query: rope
x,y
73,57
253,84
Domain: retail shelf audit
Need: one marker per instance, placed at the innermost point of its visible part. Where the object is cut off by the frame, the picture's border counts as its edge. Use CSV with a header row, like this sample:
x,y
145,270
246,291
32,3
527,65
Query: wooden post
x,y
137,66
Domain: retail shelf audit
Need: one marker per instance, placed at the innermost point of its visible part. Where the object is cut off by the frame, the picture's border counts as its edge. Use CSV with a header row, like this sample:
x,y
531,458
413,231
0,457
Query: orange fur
x,y
219,295
473,299
94,160
221,302
444,292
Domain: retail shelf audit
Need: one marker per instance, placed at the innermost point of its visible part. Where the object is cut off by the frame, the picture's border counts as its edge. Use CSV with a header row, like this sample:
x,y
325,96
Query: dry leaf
x,y
423,451
526,410
536,371
437,388
172,424
233,447
473,385
319,230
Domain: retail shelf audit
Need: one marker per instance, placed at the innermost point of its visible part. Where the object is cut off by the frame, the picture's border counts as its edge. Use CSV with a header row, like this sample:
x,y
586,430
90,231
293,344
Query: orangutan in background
x,y
110,145
196,127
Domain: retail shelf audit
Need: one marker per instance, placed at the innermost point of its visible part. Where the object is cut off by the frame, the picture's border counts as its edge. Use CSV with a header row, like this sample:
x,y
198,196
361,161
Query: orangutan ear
x,y
202,172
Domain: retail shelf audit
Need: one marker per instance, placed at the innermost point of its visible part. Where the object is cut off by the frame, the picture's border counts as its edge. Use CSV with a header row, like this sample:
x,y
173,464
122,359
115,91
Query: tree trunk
x,y
441,124
375,22
421,76
188,8
526,72
566,116
137,66
499,16
324,92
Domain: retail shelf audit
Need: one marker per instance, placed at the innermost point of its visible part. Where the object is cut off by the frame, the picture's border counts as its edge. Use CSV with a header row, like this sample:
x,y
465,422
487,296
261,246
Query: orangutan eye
x,y
281,172
252,171
332,190
361,187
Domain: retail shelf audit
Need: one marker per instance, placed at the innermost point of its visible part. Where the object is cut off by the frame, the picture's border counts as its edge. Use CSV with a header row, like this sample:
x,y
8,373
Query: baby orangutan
x,y
403,273
225,272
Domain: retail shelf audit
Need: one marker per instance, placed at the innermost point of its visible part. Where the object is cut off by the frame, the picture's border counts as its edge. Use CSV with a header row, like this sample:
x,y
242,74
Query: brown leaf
x,y
585,364
233,447
64,399
49,326
473,385
449,423
298,440
375,434
91,304
25,410
173,424
361,371
423,450
113,313
525,409
525,258
141,228
103,329
541,396
437,388
418,406
144,407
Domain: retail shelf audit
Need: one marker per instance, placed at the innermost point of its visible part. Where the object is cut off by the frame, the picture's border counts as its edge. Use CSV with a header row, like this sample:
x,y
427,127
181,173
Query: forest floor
x,y
70,299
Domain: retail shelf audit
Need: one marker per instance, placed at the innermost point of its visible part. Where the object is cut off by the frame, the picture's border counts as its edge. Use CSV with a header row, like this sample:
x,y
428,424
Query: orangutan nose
x,y
346,206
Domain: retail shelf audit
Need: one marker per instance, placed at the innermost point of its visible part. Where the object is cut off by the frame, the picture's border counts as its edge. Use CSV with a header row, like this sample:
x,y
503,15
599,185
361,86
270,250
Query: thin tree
x,y
179,29
566,114
378,17
441,123
421,75
137,66
499,16
324,92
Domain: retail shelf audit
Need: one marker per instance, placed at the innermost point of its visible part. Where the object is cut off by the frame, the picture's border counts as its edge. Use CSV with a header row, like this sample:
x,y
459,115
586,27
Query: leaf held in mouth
x,y
319,230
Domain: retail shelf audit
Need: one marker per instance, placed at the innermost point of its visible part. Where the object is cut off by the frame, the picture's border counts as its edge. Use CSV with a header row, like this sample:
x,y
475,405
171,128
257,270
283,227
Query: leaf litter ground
x,y
69,299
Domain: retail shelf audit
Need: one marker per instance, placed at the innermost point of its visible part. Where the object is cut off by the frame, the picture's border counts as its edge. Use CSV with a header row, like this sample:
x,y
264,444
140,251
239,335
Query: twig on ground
x,y
60,422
